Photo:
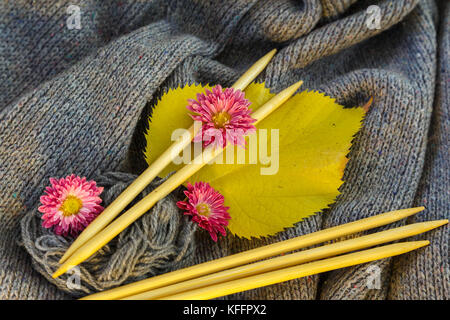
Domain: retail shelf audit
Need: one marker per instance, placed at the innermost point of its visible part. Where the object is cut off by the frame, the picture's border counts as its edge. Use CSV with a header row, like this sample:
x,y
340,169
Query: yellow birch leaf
x,y
308,139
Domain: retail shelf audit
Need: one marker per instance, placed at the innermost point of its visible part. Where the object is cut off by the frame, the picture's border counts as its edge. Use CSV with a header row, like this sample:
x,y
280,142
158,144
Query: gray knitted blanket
x,y
76,100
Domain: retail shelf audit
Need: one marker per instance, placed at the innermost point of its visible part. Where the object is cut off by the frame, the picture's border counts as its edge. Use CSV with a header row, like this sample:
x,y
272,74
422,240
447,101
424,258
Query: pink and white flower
x,y
225,116
70,204
206,207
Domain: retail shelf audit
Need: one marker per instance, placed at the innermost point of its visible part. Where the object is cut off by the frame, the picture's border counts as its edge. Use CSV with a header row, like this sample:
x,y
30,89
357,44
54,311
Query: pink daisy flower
x,y
70,205
205,205
225,116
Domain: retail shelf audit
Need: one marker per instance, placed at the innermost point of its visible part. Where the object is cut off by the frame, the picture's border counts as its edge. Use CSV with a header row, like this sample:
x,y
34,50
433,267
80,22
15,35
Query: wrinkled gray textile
x,y
77,101
160,241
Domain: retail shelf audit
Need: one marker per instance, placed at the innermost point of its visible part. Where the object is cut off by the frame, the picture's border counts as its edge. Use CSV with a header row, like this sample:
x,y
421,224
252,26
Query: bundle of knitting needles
x,y
237,272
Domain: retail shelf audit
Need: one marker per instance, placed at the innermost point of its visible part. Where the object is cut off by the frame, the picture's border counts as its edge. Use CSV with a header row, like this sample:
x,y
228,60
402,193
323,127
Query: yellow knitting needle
x,y
256,254
155,168
210,152
292,259
281,275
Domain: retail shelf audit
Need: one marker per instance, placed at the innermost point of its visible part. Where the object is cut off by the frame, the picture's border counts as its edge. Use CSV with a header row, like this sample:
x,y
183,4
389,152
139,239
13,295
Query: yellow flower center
x,y
221,119
71,205
203,209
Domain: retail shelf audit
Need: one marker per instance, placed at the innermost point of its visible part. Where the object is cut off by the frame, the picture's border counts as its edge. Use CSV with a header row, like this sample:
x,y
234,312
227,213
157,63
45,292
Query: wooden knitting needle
x,y
210,152
292,259
281,275
252,255
155,168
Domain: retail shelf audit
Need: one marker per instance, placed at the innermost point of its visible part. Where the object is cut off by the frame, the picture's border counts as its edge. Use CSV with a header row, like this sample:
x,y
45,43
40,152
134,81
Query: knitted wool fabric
x,y
77,101
158,242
